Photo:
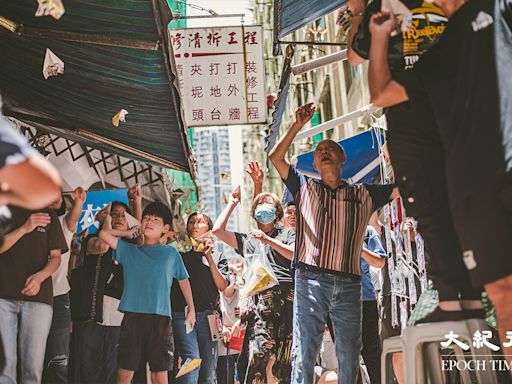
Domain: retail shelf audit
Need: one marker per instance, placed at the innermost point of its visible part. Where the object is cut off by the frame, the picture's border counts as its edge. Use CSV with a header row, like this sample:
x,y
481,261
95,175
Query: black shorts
x,y
484,226
145,337
387,329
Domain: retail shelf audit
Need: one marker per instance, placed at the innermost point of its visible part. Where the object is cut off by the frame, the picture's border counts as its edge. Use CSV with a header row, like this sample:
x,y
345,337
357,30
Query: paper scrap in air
x,y
188,366
52,65
53,8
119,117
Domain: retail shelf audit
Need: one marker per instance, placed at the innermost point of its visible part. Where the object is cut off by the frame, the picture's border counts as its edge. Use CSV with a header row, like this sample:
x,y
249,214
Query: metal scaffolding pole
x,y
319,62
370,108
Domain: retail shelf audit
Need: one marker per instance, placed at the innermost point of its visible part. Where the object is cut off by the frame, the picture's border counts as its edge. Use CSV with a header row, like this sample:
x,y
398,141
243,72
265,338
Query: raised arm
x,y
278,154
256,174
35,220
357,8
96,246
135,196
384,91
219,228
32,184
112,236
73,215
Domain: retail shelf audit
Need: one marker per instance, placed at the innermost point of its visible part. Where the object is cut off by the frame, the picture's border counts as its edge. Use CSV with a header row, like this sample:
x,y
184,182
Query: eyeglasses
x,y
117,215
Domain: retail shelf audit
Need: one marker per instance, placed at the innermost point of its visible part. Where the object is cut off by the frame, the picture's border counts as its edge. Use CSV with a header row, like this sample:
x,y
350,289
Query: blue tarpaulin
x,y
362,152
280,102
291,15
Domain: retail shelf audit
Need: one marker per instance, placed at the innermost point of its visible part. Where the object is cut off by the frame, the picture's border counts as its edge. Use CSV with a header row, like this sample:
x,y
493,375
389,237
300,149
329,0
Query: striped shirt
x,y
331,223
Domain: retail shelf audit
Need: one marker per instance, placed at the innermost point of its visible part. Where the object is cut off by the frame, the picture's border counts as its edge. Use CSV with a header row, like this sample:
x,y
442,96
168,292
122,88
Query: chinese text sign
x,y
221,74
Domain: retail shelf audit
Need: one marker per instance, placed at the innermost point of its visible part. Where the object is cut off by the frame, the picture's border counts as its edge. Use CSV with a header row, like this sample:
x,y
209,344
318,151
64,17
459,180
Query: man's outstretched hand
x,y
304,114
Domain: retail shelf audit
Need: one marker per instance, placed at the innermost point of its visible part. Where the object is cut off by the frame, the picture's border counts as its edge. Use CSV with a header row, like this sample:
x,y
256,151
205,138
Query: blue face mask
x,y
265,213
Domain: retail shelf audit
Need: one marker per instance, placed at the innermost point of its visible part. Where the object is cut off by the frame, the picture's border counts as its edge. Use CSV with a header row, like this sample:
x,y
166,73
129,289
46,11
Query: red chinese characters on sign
x,y
250,38
176,40
232,39
213,38
195,38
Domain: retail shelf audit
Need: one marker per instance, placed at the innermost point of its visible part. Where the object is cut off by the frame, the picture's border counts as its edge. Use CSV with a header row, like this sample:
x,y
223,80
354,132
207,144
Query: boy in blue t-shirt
x,y
149,269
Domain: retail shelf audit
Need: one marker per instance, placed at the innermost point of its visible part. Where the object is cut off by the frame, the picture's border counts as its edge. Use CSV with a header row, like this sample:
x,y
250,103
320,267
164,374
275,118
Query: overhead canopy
x,y
363,162
116,56
290,15
92,169
280,102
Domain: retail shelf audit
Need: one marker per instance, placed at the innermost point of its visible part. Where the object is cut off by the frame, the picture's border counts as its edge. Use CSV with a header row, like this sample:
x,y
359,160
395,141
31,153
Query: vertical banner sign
x,y
221,74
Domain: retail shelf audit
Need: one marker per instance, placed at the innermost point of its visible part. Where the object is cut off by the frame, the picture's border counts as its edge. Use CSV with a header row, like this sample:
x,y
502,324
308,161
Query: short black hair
x,y
290,204
160,210
121,204
210,222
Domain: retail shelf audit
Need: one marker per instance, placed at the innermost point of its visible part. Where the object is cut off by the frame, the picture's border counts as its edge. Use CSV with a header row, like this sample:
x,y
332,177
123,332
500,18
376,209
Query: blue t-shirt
x,y
148,273
372,242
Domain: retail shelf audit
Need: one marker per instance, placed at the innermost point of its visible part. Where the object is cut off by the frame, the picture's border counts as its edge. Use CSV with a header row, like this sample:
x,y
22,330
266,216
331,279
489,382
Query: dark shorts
x,y
387,329
484,225
146,337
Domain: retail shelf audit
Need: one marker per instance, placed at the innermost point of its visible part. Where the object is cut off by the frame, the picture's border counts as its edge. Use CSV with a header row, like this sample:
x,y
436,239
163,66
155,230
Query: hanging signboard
x,y
95,202
221,74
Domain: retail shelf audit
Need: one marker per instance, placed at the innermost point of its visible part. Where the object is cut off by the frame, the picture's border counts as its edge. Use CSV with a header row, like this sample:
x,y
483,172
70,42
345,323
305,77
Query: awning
x,y
290,15
363,161
116,56
92,169
280,102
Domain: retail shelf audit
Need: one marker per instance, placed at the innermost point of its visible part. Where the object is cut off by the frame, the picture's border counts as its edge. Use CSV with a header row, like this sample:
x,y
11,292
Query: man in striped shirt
x,y
331,223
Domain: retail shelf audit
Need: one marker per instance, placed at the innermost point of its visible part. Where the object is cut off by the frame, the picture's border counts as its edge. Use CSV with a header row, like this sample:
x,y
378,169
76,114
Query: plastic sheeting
x,y
128,67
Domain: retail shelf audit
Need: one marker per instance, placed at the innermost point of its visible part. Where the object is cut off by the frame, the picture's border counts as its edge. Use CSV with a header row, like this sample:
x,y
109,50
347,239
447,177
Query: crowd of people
x,y
133,302
298,304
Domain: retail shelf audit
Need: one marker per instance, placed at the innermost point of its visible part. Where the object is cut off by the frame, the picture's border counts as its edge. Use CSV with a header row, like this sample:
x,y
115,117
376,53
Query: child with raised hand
x,y
149,268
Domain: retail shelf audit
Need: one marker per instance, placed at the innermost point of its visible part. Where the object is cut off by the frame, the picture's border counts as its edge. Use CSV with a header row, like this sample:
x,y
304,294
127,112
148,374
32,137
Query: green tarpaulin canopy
x,y
116,56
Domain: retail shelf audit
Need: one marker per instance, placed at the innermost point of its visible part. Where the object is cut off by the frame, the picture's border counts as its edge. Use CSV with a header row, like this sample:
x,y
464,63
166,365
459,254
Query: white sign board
x,y
221,74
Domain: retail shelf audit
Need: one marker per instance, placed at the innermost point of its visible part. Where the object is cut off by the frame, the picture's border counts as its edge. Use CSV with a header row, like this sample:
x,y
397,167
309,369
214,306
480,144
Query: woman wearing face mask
x,y
269,329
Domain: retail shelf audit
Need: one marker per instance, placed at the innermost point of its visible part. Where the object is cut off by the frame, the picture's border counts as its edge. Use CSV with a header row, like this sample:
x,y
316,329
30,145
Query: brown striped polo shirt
x,y
331,223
